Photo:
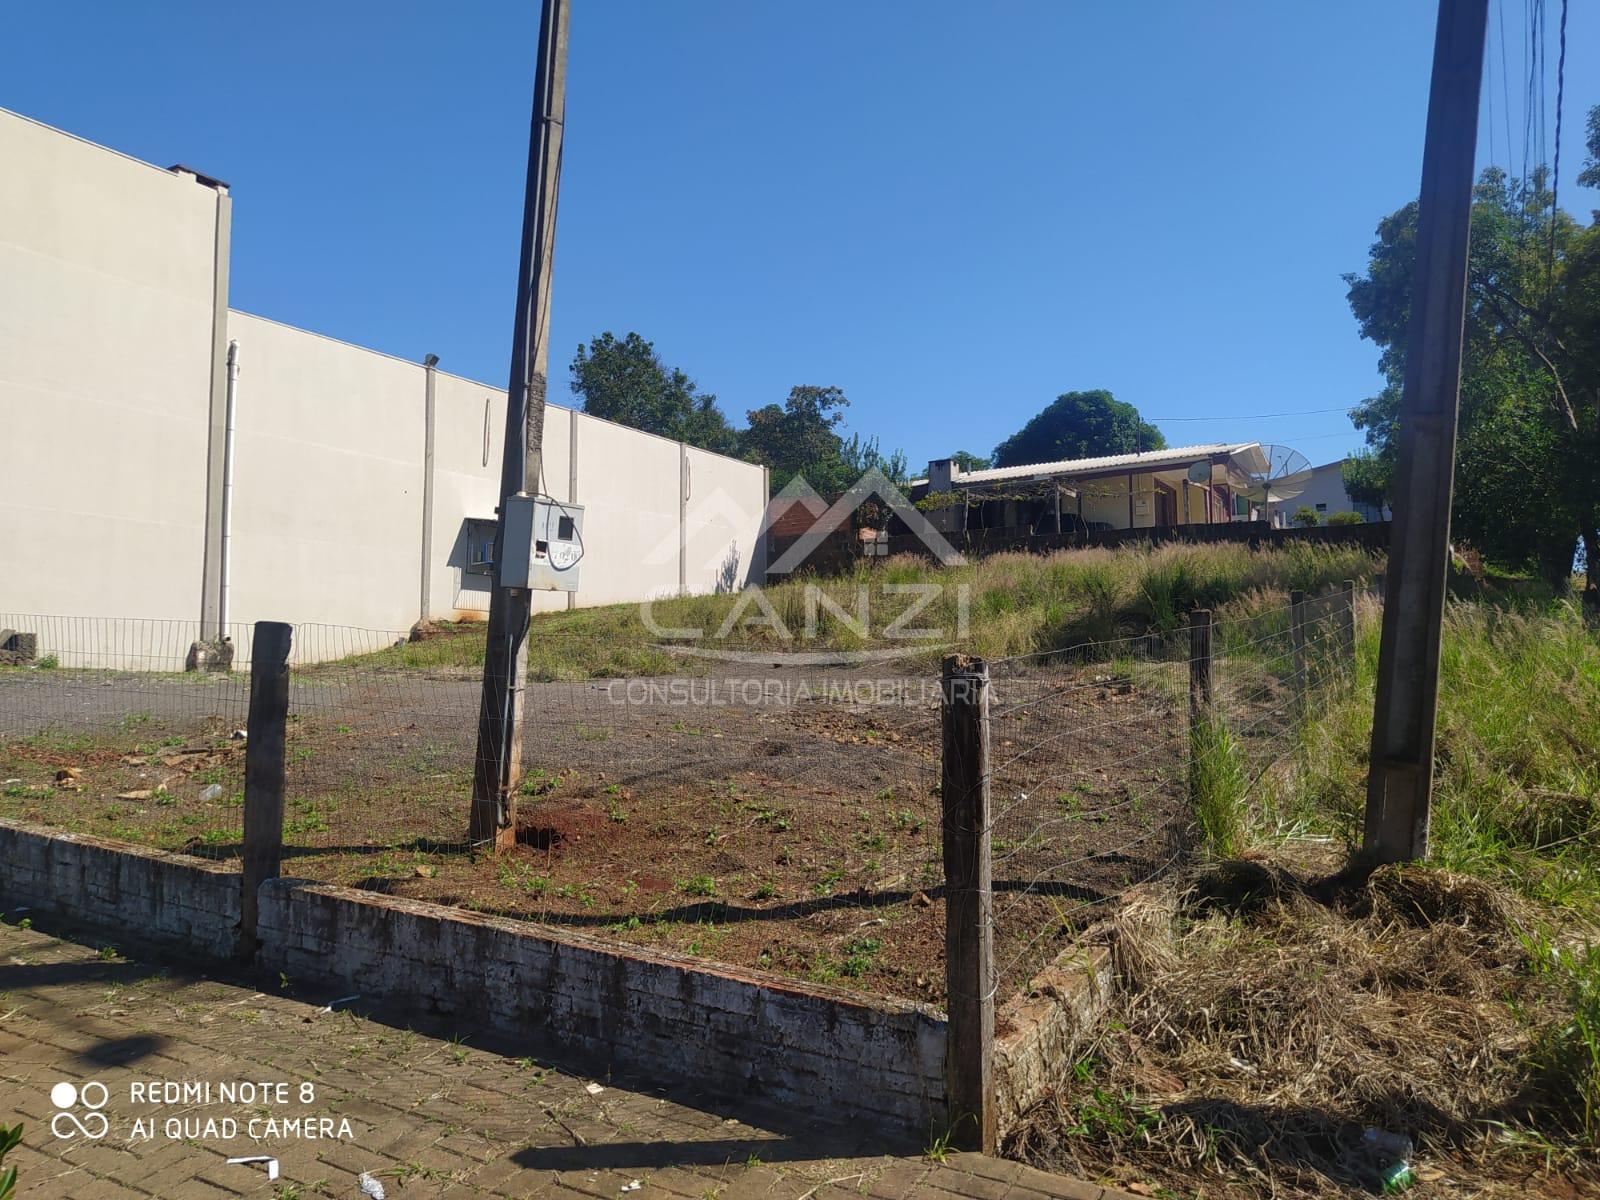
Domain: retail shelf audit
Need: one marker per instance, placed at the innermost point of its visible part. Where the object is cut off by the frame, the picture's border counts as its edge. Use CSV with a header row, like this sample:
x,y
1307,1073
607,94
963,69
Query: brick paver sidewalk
x,y
427,1116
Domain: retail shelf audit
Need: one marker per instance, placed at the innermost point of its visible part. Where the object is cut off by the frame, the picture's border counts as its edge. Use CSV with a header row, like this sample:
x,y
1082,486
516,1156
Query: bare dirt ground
x,y
786,819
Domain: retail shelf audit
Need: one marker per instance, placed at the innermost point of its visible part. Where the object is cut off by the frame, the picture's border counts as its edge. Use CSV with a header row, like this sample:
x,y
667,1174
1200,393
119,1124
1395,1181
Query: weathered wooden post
x,y
1200,628
1347,628
969,905
1297,638
263,771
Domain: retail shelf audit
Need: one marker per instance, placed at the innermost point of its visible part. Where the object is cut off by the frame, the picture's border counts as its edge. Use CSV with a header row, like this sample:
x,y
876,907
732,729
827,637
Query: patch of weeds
x,y
108,954
539,782
1105,1114
908,820
765,892
859,953
1218,784
580,893
593,733
48,662
825,885
698,885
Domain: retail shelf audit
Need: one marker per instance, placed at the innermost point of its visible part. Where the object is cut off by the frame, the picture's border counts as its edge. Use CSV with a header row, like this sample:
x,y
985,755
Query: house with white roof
x,y
1185,485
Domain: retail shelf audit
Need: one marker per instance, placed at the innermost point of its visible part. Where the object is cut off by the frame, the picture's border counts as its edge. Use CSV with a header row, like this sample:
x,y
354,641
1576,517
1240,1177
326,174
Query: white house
x,y
1325,495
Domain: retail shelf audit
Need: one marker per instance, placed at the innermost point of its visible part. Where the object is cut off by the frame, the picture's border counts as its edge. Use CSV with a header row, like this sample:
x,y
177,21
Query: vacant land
x,y
758,814
799,834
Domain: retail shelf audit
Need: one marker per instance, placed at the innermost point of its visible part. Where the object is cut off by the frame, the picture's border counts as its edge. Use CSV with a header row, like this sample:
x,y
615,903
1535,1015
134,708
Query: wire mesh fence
x,y
104,731
1114,761
774,814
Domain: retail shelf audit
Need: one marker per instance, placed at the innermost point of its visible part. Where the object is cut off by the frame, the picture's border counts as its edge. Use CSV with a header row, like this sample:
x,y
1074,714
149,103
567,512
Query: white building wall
x,y
327,509
106,306
108,282
1326,489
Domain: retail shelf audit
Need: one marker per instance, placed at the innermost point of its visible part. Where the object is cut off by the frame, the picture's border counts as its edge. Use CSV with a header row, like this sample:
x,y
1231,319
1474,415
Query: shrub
x,y
1307,517
1346,518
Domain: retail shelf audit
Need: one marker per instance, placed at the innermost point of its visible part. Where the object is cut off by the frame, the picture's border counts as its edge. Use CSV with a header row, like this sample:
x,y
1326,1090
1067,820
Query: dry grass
x,y
1260,1031
1264,1021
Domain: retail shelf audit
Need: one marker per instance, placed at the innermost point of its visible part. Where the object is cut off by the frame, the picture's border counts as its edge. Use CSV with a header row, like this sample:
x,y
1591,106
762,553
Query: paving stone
x,y
482,1126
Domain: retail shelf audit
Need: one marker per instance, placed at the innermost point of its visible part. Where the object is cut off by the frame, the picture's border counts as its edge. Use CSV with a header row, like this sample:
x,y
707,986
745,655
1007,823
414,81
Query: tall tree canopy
x,y
801,437
625,381
1079,425
1528,455
969,461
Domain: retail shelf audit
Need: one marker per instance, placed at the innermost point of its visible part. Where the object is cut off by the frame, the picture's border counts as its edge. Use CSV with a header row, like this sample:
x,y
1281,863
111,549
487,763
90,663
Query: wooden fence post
x,y
1200,628
1347,627
263,772
1297,638
969,905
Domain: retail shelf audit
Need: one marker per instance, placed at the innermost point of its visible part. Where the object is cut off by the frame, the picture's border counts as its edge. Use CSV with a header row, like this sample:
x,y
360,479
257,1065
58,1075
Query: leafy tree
x,y
1526,474
625,381
1079,425
1366,479
969,461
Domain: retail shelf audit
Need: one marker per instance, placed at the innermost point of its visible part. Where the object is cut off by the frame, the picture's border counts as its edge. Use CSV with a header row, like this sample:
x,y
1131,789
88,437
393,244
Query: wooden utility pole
x,y
968,906
498,770
1400,782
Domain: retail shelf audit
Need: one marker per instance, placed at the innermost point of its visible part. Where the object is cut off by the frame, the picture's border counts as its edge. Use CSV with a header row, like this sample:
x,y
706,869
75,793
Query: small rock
x,y
920,899
594,1089
425,871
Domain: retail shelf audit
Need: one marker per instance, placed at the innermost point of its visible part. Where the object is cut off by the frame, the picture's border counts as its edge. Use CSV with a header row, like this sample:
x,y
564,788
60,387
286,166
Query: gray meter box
x,y
543,543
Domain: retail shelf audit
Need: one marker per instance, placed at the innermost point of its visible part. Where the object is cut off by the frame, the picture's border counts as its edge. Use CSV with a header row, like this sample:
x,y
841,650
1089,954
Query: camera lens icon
x,y
92,1124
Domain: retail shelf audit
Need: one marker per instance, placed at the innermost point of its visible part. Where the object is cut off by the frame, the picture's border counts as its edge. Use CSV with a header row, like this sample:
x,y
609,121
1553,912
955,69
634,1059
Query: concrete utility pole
x,y
1400,783
499,760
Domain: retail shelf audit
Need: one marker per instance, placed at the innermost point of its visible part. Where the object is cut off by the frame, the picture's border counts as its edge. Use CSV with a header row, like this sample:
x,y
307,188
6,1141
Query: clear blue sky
x,y
953,211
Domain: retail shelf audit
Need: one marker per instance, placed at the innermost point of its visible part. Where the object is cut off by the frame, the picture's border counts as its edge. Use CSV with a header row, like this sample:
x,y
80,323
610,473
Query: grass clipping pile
x,y
1262,1025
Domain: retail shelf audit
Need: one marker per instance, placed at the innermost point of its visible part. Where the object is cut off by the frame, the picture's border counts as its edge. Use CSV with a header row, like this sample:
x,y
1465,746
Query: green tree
x,y
969,461
1079,425
1366,479
1526,452
625,381
800,436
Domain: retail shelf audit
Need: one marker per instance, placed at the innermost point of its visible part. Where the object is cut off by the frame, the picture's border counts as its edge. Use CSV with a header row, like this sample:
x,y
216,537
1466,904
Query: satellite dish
x,y
1284,477
1200,473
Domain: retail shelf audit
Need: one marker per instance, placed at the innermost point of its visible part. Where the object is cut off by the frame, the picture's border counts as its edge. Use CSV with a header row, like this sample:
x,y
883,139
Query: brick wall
x,y
651,1013
591,1004
170,900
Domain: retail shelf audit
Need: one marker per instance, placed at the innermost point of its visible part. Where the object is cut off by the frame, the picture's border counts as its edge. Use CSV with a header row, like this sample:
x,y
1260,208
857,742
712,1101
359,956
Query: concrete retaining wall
x,y
169,900
568,996
617,1006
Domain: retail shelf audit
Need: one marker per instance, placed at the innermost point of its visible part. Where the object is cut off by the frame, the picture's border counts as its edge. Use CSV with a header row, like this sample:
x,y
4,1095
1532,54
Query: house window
x,y
1322,508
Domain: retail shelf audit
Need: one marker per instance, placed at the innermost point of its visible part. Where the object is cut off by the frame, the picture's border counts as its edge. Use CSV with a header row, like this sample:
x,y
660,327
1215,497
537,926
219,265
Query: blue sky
x,y
952,211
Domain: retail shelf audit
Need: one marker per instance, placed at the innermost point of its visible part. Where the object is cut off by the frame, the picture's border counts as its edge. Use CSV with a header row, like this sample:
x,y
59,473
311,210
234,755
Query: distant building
x,y
1325,495
1155,489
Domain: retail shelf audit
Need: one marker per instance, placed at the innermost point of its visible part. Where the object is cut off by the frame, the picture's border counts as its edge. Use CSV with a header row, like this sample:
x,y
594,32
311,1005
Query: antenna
x,y
1284,477
1200,473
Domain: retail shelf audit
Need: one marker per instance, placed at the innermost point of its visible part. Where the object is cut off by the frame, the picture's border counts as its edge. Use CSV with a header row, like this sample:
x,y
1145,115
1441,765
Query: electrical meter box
x,y
543,544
